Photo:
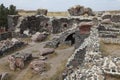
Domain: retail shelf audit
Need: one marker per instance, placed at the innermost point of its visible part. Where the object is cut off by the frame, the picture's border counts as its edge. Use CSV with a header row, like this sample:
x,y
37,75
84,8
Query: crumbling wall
x,y
77,56
113,17
95,66
12,22
34,24
42,12
78,10
39,23
62,24
109,30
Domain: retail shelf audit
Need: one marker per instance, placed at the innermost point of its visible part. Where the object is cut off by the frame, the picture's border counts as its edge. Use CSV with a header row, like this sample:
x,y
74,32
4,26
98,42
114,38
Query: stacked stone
x,y
108,31
114,18
91,40
40,23
54,43
95,66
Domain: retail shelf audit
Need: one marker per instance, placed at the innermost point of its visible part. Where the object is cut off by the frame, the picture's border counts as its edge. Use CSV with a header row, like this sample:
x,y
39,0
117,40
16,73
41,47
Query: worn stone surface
x,y
46,51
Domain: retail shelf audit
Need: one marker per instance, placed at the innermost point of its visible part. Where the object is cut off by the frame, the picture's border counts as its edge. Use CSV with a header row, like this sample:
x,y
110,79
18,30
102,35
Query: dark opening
x,y
70,39
46,25
65,25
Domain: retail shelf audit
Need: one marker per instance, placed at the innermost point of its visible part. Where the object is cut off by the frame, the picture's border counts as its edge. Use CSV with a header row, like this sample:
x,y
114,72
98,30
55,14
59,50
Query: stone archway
x,y
70,39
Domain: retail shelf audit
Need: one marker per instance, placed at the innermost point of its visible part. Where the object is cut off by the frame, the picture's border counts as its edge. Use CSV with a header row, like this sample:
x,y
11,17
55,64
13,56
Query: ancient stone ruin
x,y
42,12
80,10
82,32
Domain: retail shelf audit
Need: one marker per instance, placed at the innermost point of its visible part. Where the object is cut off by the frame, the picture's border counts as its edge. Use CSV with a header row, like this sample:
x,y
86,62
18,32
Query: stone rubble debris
x,y
18,60
38,66
38,37
46,51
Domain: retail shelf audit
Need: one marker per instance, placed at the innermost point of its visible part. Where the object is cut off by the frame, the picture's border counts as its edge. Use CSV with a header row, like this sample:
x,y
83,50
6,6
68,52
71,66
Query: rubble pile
x,y
80,10
38,66
10,45
18,60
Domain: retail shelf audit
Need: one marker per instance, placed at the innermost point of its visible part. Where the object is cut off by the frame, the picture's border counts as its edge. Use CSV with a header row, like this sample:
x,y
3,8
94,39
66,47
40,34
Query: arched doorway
x,y
70,39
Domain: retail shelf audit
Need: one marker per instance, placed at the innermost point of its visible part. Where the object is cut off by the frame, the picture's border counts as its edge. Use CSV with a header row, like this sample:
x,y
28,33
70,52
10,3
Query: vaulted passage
x,y
70,39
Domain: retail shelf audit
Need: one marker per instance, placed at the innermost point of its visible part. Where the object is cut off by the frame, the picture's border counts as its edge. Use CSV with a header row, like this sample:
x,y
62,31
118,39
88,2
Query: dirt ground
x,y
55,61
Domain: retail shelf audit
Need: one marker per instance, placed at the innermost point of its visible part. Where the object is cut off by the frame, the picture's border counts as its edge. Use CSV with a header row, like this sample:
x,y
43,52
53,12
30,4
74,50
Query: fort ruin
x,y
82,32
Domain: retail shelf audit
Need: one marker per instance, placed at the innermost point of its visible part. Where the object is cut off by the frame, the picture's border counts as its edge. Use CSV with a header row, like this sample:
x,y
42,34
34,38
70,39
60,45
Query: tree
x,y
4,12
12,10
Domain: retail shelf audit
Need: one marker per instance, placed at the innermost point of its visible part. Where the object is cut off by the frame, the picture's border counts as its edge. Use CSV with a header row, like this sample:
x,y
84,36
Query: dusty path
x,y
54,62
57,61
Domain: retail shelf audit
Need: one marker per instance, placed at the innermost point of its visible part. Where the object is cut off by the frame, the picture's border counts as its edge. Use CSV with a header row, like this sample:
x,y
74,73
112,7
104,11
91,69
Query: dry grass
x,y
30,13
35,51
12,74
26,40
109,49
63,46
57,14
57,75
30,75
52,55
112,77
